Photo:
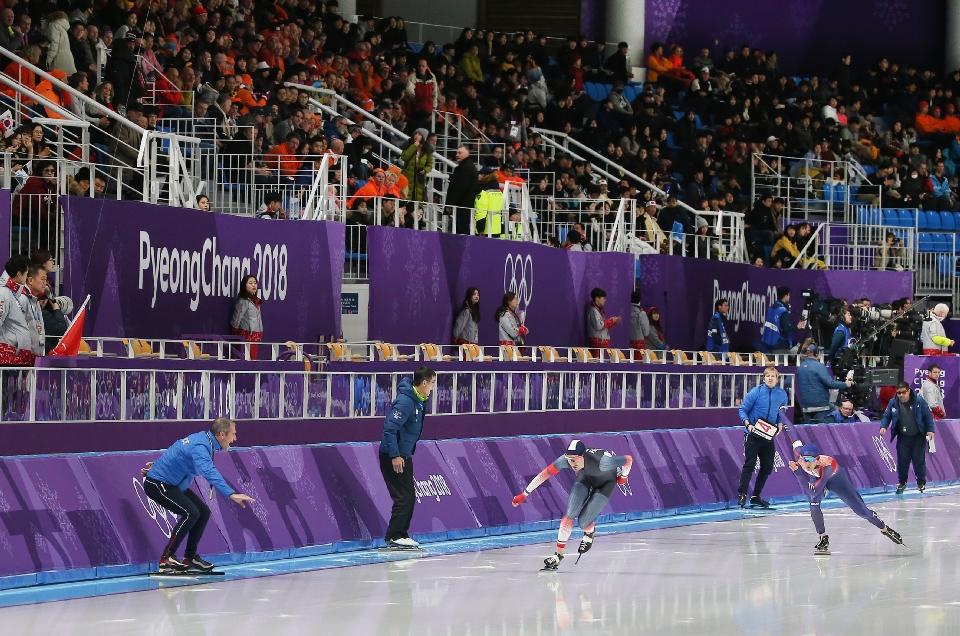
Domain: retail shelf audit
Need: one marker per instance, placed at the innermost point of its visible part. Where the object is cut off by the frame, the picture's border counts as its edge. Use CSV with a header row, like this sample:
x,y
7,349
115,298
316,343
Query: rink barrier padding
x,y
80,517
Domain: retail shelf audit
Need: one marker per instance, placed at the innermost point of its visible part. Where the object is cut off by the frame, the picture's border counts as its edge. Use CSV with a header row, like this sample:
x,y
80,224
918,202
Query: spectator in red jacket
x,y
34,205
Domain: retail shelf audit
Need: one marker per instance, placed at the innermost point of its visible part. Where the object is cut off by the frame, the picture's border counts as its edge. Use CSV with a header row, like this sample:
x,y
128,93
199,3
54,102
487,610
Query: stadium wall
x,y
76,517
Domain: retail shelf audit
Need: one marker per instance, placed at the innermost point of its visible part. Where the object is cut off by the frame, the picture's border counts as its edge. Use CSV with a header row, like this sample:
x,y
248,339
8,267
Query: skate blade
x,y
549,569
818,554
390,548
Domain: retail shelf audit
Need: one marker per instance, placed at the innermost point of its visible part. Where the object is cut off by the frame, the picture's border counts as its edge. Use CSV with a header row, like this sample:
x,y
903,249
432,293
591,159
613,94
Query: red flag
x,y
69,344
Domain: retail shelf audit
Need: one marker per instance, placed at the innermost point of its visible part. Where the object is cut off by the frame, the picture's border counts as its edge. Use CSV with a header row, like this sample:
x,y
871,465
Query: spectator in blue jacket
x,y
717,339
814,384
941,196
167,482
401,431
843,415
911,423
764,402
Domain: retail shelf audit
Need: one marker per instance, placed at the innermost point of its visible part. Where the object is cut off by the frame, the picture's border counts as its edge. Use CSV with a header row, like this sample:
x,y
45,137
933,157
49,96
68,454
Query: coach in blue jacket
x,y
763,402
167,482
911,422
401,432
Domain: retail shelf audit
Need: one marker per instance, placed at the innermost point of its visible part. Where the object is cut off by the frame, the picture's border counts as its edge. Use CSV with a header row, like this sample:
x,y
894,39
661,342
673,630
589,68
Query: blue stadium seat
x,y
869,170
922,222
925,242
933,221
891,218
947,222
416,48
839,192
678,114
699,124
944,243
827,191
630,93
908,218
956,220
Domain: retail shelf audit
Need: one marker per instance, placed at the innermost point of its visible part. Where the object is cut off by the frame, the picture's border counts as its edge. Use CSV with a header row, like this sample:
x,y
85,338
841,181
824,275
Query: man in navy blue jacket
x,y
910,420
167,482
814,384
401,432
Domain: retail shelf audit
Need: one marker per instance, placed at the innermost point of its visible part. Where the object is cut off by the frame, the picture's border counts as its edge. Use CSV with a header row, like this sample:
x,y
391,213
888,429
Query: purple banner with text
x,y
685,290
418,281
159,272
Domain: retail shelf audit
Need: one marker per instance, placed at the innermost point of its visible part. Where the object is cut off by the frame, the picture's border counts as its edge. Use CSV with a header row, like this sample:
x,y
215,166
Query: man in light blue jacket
x,y
764,402
167,482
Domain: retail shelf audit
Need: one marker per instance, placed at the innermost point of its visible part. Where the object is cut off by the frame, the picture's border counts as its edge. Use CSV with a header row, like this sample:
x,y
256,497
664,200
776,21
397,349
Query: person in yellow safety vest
x,y
489,202
515,227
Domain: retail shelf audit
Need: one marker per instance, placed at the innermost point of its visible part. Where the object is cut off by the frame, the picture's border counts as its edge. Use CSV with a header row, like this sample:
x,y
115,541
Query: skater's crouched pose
x,y
598,473
820,475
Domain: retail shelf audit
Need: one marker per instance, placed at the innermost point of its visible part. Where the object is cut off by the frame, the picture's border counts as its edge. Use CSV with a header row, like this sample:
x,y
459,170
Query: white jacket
x,y
931,393
59,55
931,331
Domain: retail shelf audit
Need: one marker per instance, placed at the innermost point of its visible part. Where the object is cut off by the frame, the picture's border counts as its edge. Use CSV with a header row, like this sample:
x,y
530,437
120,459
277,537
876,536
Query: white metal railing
x,y
859,247
88,395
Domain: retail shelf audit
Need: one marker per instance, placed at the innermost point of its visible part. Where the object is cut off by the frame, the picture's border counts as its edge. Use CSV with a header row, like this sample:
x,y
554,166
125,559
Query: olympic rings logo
x,y
518,278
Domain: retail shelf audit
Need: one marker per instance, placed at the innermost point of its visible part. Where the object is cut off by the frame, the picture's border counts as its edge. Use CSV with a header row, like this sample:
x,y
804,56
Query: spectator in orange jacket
x,y
657,64
505,175
21,74
284,157
375,187
926,123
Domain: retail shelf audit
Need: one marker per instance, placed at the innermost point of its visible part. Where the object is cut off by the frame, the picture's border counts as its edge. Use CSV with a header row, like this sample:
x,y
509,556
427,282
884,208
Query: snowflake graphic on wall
x,y
890,13
661,15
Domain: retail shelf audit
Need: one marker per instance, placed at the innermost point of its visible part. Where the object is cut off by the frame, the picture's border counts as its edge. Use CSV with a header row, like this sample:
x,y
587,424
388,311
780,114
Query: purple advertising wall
x,y
161,272
418,280
807,35
915,374
73,517
685,289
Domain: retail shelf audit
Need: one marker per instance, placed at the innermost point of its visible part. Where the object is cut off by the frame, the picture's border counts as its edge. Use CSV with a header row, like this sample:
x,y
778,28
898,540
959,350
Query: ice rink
x,y
756,575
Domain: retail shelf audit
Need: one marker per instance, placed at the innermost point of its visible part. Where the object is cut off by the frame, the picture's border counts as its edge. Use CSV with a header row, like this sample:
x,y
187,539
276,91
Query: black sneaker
x,y
921,485
757,500
171,565
742,501
823,547
900,488
196,563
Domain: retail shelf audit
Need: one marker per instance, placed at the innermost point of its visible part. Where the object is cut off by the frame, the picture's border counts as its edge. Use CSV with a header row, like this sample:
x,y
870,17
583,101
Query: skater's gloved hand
x,y
622,480
146,469
519,499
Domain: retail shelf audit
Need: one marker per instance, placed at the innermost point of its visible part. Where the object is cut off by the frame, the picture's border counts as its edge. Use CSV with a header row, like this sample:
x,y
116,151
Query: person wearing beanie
x,y
933,339
598,473
814,384
820,474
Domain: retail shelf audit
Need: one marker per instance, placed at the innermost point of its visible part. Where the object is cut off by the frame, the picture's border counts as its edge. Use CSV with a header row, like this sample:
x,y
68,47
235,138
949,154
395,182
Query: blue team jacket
x,y
920,411
404,422
187,458
762,402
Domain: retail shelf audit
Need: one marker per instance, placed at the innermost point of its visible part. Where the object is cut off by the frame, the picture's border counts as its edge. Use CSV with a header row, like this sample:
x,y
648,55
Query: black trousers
x,y
912,448
400,486
187,505
755,447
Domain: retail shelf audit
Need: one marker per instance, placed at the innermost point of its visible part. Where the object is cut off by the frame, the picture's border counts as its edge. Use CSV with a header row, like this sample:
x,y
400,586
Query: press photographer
x,y
814,384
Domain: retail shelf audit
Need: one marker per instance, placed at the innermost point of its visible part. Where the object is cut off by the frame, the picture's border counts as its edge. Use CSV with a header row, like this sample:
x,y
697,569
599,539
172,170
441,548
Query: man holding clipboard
x,y
760,413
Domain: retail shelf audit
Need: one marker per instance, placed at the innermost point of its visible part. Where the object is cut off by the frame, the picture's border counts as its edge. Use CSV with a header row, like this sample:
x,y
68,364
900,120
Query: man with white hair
x,y
932,337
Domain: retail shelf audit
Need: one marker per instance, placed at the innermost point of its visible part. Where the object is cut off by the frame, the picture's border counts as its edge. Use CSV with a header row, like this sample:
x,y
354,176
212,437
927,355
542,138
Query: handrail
x,y
811,241
568,139
74,92
37,97
363,113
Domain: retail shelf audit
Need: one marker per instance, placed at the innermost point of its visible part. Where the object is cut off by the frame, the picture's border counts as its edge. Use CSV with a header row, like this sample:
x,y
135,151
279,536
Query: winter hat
x,y
808,450
576,449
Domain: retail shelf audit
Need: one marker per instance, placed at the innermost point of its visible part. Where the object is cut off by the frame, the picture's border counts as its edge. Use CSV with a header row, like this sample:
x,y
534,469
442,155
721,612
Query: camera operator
x,y
814,384
932,337
778,331
841,335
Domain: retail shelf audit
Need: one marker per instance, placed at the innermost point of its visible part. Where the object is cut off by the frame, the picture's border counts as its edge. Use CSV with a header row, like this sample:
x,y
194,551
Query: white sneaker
x,y
405,542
